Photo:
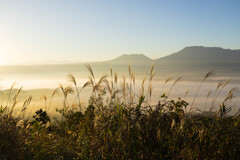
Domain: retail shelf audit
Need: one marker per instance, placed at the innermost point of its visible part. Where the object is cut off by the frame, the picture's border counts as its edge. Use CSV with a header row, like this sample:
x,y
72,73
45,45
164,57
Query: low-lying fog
x,y
41,86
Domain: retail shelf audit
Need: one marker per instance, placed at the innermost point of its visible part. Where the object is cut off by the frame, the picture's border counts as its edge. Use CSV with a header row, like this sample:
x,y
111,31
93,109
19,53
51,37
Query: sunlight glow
x,y
1,59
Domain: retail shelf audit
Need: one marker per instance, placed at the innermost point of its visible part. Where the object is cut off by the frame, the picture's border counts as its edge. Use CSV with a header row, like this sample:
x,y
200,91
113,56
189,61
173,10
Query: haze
x,y
40,32
42,41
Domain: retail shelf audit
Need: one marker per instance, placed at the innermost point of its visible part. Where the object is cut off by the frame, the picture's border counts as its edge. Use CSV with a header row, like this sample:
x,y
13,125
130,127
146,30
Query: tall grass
x,y
120,123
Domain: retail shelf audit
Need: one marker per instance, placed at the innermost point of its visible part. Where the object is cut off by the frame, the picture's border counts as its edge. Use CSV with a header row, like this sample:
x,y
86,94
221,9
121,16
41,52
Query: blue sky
x,y
43,31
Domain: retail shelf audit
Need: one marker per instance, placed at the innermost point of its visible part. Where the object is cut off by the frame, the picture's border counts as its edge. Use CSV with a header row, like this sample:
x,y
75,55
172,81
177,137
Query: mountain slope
x,y
201,59
203,55
133,59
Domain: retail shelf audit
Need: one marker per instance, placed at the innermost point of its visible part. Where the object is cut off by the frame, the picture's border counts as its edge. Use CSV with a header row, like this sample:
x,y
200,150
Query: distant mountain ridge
x,y
204,55
195,59
189,59
194,54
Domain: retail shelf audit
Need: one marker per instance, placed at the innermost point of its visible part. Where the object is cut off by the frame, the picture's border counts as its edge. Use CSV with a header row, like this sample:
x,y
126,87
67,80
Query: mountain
x,y
190,62
132,59
201,59
199,54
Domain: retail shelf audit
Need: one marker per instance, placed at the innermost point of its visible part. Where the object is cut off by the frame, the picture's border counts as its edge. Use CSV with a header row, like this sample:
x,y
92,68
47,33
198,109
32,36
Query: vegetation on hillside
x,y
120,124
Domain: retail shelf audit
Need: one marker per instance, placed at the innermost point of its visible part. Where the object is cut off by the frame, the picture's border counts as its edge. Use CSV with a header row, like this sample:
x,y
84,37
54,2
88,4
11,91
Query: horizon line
x,y
62,62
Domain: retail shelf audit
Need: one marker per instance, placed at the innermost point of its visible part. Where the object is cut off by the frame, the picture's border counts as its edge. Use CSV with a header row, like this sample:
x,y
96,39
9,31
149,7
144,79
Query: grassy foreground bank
x,y
120,124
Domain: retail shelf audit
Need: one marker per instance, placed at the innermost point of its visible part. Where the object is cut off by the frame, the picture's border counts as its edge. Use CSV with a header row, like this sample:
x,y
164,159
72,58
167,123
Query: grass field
x,y
121,120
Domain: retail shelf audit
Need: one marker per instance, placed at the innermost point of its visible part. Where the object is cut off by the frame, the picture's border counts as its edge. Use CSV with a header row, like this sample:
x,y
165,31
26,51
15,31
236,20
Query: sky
x,y
55,31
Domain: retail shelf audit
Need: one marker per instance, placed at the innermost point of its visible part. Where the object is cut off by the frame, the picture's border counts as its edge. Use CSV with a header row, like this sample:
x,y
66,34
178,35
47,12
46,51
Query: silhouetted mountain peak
x,y
138,56
131,59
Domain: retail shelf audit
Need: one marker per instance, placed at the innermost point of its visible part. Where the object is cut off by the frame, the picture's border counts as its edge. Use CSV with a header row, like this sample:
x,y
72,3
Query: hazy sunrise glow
x,y
96,30
119,79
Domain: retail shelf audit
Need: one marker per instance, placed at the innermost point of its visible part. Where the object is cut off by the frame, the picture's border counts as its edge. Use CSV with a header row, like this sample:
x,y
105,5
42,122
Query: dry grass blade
x,y
13,85
25,105
86,84
18,92
28,101
99,87
72,79
69,90
206,76
102,79
186,93
152,69
143,82
78,94
230,95
133,78
115,78
152,75
123,86
129,70
89,69
150,90
111,71
208,94
61,87
109,89
54,92
90,81
66,90
115,93
167,80
222,85
45,100
45,97
10,91
174,83
226,83
210,73
14,101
